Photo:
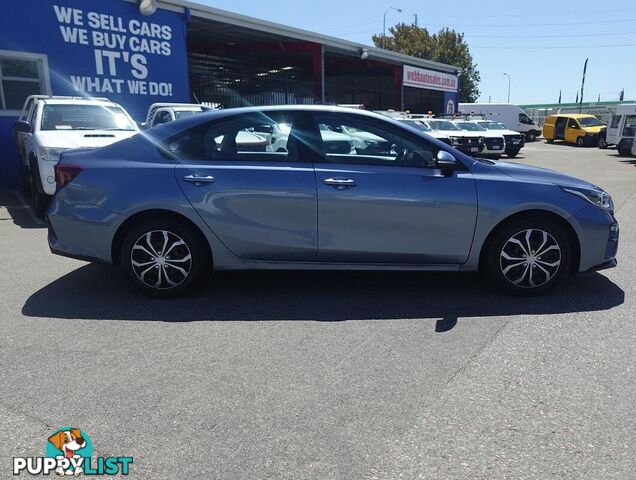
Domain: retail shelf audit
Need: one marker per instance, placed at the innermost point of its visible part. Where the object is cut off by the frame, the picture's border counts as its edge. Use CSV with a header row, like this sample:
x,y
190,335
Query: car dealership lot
x,y
327,375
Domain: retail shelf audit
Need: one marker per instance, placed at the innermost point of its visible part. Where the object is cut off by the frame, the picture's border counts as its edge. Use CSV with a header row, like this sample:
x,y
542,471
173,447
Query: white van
x,y
513,117
621,129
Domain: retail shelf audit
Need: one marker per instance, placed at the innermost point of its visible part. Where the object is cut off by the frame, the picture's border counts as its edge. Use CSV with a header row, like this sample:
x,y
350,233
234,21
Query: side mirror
x,y
21,126
445,160
143,125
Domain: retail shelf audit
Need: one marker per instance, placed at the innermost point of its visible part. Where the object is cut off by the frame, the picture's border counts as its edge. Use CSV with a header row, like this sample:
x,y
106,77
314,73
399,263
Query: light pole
x,y
508,86
399,10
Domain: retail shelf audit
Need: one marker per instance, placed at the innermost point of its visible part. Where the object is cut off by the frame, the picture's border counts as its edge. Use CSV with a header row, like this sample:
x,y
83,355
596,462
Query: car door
x,y
613,130
261,204
386,202
572,131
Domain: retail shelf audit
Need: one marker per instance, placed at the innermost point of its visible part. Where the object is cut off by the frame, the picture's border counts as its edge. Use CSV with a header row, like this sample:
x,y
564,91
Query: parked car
x,y
513,117
159,113
422,127
334,139
55,124
579,129
621,129
494,143
470,143
170,205
514,140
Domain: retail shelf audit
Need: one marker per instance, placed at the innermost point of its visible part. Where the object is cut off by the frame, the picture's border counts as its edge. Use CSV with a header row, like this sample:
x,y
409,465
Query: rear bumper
x,y
68,251
82,231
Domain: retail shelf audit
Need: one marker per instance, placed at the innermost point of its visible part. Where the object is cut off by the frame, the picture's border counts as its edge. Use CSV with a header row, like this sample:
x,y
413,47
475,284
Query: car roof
x,y
572,115
78,101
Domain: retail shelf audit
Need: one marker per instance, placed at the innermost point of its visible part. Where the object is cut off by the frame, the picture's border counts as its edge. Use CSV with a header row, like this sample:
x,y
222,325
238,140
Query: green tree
x,y
445,46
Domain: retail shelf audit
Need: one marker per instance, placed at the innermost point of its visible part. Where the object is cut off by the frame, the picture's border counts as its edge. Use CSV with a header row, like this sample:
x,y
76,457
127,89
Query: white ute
x,y
494,143
54,124
159,113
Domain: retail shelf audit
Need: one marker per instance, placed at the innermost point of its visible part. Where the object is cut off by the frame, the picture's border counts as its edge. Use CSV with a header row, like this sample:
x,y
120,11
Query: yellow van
x,y
581,129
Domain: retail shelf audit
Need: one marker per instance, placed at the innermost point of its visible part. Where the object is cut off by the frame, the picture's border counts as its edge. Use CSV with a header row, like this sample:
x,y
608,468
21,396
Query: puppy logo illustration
x,y
71,444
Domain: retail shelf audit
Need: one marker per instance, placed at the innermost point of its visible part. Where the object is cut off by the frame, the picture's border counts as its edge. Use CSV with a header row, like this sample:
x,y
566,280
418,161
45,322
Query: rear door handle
x,y
339,182
199,179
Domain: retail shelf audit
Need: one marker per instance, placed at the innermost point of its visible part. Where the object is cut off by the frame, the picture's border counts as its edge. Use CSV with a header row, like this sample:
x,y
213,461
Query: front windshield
x,y
178,114
470,126
590,122
84,117
417,124
442,125
492,126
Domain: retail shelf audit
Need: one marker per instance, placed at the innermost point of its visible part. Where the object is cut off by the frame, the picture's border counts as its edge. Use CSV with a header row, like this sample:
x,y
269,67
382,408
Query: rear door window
x,y
266,137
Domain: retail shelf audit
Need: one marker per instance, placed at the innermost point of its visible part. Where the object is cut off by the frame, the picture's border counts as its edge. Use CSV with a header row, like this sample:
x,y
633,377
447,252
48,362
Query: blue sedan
x,y
342,189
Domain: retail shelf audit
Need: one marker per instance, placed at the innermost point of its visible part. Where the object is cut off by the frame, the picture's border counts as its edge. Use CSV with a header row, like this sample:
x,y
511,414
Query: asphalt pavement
x,y
327,375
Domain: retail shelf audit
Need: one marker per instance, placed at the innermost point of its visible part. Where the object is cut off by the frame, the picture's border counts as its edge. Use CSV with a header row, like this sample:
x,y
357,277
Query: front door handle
x,y
339,182
199,180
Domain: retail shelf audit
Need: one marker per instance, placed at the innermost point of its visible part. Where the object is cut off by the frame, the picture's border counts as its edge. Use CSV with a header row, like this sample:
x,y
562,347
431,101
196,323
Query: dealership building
x,y
136,55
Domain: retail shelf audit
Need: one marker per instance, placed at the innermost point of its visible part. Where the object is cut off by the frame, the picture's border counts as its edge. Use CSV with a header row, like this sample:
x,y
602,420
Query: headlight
x,y
51,154
456,140
595,196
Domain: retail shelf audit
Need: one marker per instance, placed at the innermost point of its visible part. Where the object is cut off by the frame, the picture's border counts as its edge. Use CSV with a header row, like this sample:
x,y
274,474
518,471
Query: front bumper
x,y
598,238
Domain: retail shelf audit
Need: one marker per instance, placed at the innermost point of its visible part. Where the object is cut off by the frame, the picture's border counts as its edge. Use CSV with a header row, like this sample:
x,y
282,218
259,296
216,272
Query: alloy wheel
x,y
530,258
161,259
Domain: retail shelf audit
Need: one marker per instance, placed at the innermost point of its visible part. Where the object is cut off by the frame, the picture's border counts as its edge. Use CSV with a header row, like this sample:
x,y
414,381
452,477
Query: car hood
x,y
507,132
450,133
82,138
594,129
540,175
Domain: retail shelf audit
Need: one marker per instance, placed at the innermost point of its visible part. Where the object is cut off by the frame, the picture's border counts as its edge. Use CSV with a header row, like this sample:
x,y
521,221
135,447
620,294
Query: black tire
x,y
531,136
512,153
623,151
549,140
530,269
602,142
25,181
193,246
39,199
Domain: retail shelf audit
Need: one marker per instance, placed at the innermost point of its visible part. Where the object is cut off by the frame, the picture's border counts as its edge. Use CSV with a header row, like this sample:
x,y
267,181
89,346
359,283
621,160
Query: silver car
x,y
170,204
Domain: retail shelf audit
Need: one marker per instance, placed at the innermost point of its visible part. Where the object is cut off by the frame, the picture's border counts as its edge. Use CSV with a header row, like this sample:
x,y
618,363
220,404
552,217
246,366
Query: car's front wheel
x,y
40,199
528,256
164,257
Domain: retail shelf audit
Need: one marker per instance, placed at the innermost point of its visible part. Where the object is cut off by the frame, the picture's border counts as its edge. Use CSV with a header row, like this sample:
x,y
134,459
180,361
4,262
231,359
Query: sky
x,y
541,44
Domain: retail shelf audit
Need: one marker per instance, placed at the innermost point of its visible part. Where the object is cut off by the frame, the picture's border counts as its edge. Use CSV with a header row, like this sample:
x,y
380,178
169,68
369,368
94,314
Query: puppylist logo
x,y
69,451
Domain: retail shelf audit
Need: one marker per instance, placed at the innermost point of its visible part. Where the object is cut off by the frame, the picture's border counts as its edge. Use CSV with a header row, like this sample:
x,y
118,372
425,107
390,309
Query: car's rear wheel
x,y
164,257
528,256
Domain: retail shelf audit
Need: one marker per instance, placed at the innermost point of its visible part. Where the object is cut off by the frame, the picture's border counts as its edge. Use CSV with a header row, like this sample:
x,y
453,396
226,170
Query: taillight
x,y
64,174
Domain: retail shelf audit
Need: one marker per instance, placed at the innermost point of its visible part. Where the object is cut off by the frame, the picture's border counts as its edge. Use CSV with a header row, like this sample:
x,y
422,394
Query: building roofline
x,y
583,105
337,44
